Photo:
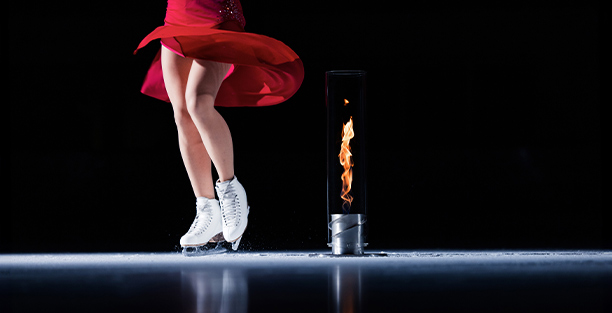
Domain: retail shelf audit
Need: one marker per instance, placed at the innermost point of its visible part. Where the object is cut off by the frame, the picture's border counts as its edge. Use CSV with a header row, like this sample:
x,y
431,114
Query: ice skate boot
x,y
234,210
205,228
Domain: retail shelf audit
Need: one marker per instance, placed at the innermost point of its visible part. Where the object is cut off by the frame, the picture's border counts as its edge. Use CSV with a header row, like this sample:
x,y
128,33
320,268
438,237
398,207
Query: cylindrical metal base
x,y
347,233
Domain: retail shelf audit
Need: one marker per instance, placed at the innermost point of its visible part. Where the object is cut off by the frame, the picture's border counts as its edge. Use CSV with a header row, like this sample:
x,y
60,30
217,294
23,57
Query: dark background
x,y
484,127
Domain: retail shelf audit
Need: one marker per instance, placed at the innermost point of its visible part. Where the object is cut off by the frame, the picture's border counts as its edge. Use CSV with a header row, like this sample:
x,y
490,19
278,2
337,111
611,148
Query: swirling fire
x,y
346,160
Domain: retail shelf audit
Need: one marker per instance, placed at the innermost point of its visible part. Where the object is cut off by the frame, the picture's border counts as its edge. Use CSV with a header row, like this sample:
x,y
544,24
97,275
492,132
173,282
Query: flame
x,y
346,102
346,161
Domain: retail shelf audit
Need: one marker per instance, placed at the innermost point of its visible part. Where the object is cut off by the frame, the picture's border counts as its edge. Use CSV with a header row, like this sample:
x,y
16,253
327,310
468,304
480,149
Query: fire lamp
x,y
345,93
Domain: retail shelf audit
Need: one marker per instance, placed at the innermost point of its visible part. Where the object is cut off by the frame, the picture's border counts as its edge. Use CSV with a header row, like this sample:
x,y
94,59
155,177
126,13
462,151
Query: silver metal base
x,y
347,234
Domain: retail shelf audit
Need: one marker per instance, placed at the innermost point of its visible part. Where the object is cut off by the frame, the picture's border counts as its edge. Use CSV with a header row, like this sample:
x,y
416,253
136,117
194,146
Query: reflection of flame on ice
x,y
346,161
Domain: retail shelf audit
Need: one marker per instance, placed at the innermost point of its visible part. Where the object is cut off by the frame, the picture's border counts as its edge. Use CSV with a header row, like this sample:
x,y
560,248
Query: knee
x,y
201,105
184,124
183,120
182,117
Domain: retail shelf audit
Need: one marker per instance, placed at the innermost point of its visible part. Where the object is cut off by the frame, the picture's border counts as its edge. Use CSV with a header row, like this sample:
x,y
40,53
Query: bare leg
x,y
205,78
195,156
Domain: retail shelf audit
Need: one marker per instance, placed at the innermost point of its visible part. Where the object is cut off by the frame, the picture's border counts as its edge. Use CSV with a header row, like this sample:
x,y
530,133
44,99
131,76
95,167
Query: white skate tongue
x,y
227,195
203,212
202,201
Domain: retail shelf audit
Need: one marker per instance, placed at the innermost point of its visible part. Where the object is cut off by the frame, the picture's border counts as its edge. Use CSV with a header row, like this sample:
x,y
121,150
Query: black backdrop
x,y
484,127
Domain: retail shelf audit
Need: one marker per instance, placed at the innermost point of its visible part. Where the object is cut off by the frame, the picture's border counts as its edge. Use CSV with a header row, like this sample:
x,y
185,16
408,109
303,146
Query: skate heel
x,y
236,243
218,238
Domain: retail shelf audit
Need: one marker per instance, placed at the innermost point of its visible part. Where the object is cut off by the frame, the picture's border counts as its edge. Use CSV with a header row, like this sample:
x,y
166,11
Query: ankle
x,y
203,200
225,179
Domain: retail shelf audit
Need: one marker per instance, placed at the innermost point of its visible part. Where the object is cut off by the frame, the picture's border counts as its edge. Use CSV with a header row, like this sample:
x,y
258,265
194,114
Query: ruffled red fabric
x,y
266,71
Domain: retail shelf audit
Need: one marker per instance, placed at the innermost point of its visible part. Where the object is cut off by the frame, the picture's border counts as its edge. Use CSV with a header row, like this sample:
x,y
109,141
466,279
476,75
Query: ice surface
x,y
443,281
596,260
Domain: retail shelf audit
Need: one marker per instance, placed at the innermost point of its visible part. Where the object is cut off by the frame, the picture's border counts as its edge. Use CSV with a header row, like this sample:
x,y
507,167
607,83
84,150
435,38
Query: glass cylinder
x,y
346,155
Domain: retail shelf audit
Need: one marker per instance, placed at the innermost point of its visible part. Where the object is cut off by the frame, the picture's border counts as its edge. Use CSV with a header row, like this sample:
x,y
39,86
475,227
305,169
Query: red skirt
x,y
265,71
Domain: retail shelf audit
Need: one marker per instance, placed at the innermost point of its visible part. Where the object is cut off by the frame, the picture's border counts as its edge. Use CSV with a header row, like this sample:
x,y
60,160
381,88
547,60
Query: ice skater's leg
x,y
203,83
207,223
176,71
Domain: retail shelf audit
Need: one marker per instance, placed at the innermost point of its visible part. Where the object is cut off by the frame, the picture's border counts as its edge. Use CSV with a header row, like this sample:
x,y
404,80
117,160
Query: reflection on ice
x,y
345,288
215,291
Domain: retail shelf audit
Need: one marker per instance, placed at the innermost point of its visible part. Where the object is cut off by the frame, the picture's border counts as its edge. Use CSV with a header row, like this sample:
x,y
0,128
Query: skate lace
x,y
229,206
202,220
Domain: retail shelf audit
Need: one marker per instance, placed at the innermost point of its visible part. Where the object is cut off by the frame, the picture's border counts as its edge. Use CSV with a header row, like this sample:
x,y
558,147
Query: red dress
x,y
265,71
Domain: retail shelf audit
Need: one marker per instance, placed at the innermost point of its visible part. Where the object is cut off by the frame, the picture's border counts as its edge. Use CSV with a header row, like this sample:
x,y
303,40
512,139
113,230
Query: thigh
x,y
205,78
176,73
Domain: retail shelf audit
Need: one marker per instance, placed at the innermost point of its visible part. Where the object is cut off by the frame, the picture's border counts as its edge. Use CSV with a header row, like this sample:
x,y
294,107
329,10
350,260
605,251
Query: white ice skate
x,y
205,228
234,210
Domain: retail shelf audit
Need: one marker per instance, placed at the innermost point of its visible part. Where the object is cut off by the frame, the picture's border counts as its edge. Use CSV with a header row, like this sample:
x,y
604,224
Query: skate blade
x,y
209,249
236,243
